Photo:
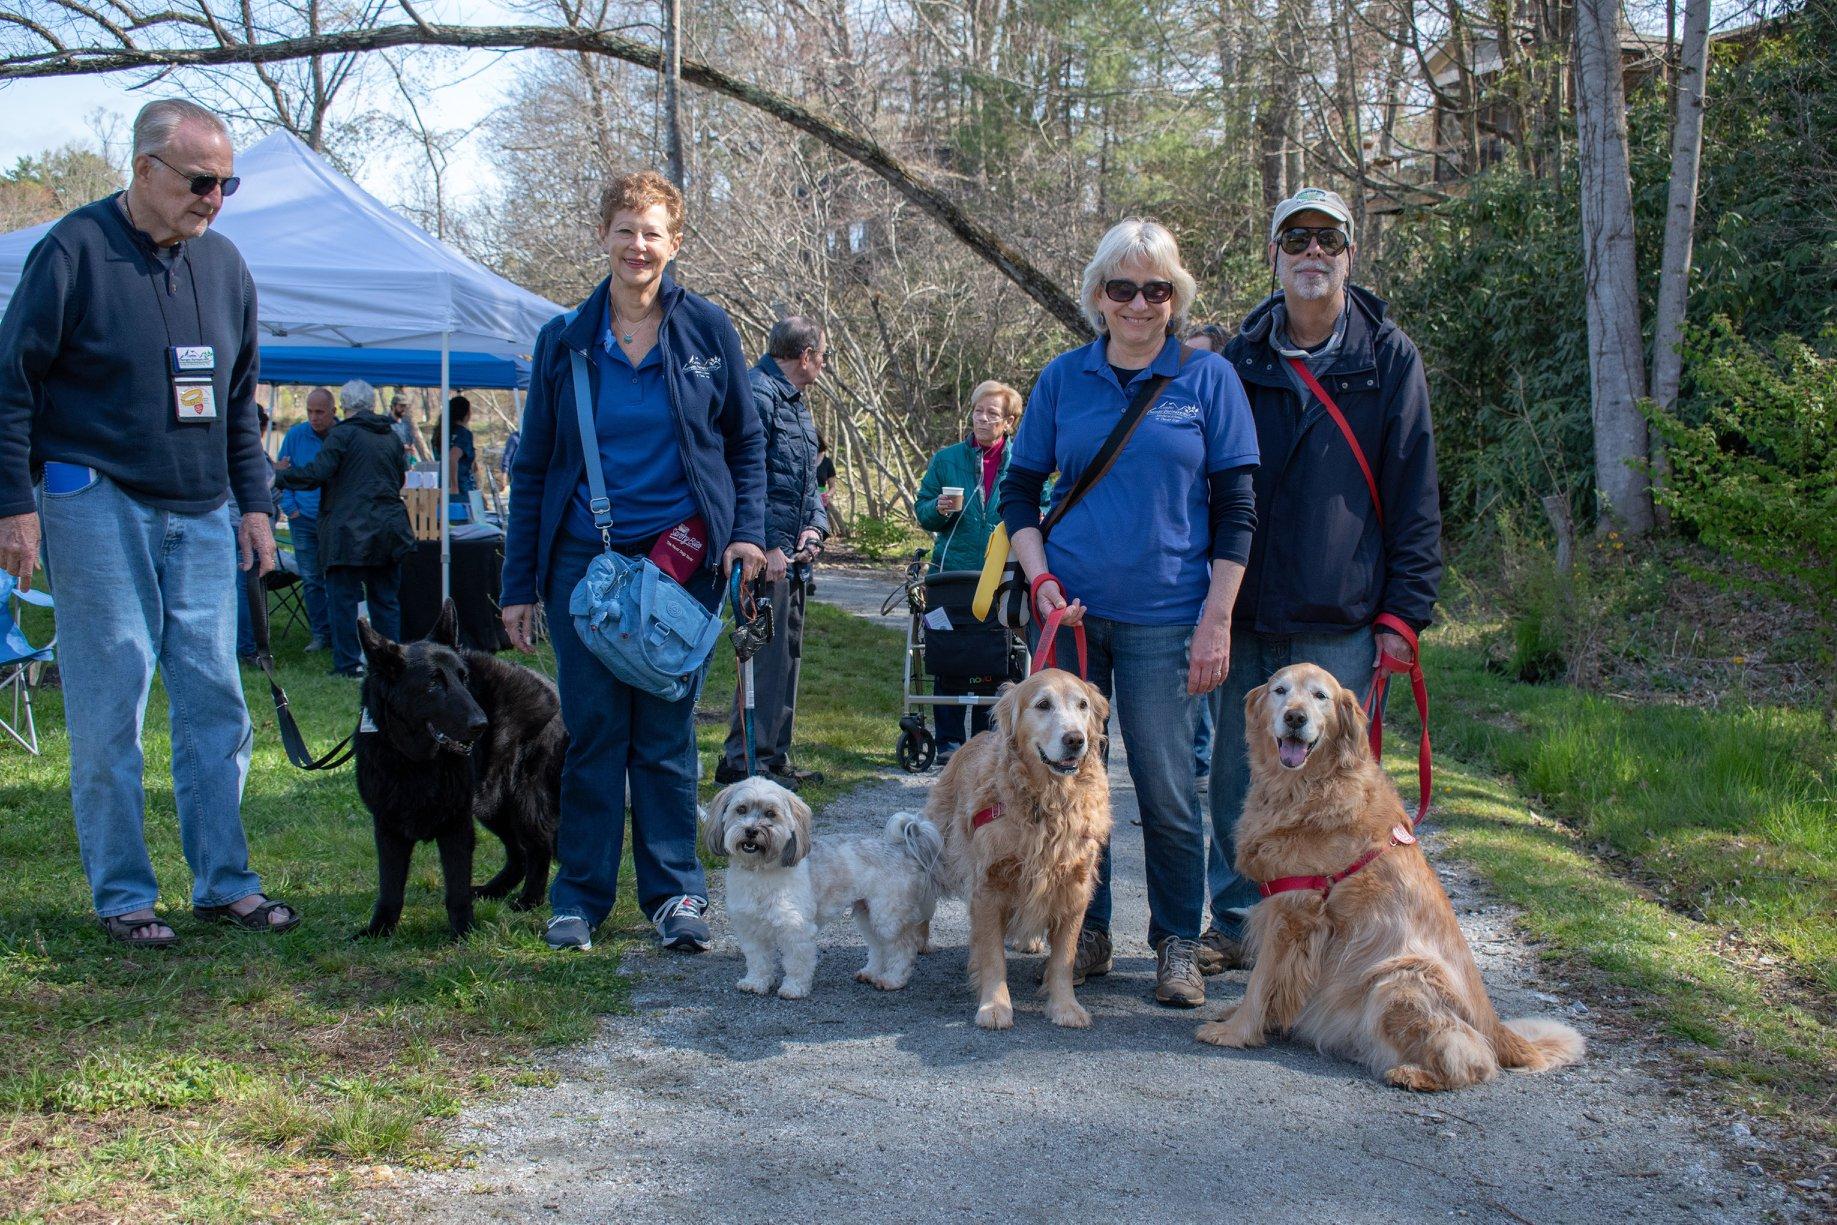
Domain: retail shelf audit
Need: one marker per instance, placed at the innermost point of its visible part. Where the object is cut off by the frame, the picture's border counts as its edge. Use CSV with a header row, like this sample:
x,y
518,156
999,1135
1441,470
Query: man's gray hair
x,y
792,336
357,396
158,121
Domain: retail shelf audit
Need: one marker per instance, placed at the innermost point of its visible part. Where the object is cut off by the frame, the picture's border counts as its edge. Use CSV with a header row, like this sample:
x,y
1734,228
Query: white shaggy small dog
x,y
781,887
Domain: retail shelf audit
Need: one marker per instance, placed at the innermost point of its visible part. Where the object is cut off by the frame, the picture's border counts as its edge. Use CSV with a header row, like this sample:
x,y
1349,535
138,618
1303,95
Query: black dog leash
x,y
295,744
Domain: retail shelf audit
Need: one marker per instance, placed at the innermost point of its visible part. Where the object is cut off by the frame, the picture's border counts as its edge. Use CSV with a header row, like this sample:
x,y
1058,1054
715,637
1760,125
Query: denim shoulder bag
x,y
638,621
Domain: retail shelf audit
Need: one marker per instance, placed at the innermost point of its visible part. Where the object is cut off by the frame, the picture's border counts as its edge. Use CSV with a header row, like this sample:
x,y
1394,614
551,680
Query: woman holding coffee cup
x,y
959,501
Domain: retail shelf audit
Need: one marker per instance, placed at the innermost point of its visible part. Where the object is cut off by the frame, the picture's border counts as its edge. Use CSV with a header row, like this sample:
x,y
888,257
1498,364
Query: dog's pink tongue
x,y
1292,752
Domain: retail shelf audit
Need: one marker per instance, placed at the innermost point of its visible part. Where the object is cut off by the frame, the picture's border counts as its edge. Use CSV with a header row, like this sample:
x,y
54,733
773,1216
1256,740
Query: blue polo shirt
x,y
1137,547
640,452
302,446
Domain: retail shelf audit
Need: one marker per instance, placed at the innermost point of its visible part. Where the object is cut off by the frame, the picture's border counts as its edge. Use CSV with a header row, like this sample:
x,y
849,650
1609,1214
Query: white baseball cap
x,y
1311,199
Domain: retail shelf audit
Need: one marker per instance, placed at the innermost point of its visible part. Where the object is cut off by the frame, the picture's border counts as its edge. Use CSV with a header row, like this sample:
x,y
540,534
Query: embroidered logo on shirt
x,y
703,367
1173,413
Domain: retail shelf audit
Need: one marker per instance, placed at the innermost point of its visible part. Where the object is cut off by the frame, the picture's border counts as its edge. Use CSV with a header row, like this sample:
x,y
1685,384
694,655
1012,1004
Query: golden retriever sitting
x,y
1024,809
1367,963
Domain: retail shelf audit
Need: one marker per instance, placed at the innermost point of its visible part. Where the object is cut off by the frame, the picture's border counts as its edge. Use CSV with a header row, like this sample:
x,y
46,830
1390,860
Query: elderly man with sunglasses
x,y
1325,562
127,425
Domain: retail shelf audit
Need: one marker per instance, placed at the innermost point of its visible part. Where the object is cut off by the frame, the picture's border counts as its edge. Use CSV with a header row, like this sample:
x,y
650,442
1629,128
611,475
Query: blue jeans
x,y
618,735
139,588
1204,733
1142,670
1254,659
377,586
305,532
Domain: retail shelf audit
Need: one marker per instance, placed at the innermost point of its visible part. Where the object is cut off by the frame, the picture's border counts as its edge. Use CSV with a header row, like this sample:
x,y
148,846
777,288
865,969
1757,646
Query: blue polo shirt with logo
x,y
1137,547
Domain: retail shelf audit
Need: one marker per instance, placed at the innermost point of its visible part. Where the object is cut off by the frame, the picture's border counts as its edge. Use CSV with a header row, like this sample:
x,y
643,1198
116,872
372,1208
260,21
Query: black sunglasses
x,y
1295,239
202,184
1154,292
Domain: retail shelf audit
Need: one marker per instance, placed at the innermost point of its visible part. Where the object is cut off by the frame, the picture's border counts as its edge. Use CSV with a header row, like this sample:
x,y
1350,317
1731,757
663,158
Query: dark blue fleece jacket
x,y
723,447
84,372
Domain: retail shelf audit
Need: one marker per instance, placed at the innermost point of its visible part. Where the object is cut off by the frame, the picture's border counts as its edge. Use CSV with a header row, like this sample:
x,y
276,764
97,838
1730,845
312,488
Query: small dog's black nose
x,y
1295,719
1073,741
752,832
477,723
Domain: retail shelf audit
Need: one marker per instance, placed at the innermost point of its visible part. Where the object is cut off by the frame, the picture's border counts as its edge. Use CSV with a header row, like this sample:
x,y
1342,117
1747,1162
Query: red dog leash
x,y
1419,689
1049,632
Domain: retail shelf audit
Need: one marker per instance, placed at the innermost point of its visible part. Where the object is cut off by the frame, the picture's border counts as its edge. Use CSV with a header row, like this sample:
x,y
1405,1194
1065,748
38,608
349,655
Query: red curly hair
x,y
638,191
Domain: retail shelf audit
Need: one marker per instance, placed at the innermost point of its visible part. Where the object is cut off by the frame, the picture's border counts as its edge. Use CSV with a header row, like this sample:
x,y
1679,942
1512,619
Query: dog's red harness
x,y
1289,884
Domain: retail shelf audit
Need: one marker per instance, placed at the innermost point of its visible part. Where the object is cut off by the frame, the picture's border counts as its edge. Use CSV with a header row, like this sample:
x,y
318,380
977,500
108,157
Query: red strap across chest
x,y
1290,884
984,816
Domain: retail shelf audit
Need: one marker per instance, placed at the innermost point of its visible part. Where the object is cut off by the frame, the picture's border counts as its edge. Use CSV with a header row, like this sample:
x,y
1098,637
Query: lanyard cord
x,y
154,268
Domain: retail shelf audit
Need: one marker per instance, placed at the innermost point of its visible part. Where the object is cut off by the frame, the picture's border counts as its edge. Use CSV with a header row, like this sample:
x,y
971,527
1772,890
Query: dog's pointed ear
x,y
446,625
384,657
797,846
1351,728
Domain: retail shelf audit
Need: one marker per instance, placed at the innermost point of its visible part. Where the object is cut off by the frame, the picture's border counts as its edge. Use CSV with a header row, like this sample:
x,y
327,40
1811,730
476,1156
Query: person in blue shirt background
x,y
1180,497
301,506
462,457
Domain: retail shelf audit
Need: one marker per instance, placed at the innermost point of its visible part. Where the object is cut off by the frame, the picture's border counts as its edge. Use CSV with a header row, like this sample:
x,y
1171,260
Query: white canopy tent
x,y
334,266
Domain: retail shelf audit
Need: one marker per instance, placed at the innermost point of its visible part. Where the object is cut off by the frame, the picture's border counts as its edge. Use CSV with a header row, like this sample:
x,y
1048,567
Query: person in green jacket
x,y
959,502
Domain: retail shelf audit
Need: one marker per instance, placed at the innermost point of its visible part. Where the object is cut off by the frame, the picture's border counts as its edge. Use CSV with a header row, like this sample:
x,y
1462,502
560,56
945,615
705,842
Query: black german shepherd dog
x,y
449,734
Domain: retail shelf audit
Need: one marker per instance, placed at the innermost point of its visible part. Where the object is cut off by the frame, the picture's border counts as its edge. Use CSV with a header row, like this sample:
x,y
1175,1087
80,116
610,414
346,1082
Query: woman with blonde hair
x,y
1148,560
959,501
683,455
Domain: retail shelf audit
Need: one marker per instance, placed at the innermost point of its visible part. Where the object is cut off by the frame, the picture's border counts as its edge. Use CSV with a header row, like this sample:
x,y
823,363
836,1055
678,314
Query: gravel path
x,y
854,1104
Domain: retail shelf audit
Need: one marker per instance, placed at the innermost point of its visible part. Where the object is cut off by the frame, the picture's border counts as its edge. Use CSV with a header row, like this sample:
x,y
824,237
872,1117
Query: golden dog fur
x,y
1029,872
1378,971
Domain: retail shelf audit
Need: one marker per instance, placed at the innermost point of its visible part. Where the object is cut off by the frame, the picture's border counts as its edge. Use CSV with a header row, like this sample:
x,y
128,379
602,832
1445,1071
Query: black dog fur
x,y
457,734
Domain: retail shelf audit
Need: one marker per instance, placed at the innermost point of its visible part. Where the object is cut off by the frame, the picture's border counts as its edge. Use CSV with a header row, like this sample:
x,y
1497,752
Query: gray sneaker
x,y
568,931
317,644
1093,958
1219,952
1178,983
680,924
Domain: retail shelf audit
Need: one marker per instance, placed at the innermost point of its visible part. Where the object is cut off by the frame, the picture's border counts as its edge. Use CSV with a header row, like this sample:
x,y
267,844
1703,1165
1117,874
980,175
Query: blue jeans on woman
x,y
619,736
139,588
1254,659
379,588
1142,670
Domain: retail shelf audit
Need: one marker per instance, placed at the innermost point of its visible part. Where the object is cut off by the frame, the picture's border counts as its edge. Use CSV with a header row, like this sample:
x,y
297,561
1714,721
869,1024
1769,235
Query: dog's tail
x,y
920,839
1536,1044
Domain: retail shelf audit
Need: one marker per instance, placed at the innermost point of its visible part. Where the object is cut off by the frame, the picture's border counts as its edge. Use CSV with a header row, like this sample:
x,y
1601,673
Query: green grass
x,y
247,1077
1687,859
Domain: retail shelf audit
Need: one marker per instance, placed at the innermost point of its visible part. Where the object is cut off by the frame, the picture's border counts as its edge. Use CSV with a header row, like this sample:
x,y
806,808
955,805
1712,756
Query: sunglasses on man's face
x,y
202,184
1154,292
1296,239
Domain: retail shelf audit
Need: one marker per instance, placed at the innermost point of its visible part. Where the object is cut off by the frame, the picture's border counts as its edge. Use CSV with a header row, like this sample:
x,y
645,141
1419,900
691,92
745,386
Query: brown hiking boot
x,y
1178,983
1219,952
1093,958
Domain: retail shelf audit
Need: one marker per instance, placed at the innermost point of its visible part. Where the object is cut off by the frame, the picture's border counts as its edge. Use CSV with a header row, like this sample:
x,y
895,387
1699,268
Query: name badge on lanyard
x,y
194,389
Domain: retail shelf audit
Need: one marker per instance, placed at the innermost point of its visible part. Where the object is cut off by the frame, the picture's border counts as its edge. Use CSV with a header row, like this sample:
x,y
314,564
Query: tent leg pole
x,y
446,475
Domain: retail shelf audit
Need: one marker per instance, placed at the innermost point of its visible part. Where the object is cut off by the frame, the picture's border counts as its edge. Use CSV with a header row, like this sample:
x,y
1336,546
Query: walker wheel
x,y
917,750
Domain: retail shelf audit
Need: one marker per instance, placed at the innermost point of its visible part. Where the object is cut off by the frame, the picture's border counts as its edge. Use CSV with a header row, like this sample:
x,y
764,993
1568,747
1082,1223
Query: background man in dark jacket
x,y
127,396
795,524
1324,562
363,525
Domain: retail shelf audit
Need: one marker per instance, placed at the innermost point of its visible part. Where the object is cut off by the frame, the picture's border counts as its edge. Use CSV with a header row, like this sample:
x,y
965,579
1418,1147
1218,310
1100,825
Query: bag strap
x,y
597,501
256,593
1105,459
1339,419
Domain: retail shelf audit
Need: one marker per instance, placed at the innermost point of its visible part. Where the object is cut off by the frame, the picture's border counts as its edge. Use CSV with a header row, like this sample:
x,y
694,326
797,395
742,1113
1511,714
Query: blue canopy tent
x,y
328,367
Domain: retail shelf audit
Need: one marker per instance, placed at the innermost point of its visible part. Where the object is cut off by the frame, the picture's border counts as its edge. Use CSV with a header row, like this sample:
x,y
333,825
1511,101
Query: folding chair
x,y
20,663
286,593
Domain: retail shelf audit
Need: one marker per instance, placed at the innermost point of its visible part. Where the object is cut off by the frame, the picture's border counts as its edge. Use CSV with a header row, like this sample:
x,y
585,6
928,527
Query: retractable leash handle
x,y
1419,689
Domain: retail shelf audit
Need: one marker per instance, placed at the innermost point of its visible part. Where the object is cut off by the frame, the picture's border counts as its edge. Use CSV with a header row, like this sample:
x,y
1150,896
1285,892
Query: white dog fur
x,y
782,886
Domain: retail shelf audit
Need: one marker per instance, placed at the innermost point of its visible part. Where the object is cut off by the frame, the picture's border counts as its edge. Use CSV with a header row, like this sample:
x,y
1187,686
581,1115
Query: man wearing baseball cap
x,y
1325,562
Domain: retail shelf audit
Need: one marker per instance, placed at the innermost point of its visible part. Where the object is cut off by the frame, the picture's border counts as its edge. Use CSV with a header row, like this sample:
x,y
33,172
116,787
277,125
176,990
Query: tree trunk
x,y
672,91
1680,222
1616,352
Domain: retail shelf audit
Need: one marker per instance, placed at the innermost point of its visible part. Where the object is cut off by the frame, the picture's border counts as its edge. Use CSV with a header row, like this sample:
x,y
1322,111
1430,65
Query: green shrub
x,y
884,538
1756,477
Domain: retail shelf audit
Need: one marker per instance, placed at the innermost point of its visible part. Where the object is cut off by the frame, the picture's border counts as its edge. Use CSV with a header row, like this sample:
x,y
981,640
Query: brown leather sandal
x,y
255,920
122,931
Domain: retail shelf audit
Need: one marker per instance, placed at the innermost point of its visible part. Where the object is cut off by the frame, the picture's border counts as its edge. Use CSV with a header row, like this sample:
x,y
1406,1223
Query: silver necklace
x,y
629,337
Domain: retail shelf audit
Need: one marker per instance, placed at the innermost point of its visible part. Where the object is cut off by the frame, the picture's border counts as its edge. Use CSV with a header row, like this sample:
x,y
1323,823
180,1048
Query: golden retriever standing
x,y
1368,964
1024,809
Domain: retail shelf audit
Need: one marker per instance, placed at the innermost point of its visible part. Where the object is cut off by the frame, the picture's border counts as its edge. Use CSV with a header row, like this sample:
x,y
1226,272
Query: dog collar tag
x,y
366,724
1402,836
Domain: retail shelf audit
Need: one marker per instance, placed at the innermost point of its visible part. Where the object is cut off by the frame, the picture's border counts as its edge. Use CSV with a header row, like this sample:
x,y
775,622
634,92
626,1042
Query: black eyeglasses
x,y
1154,292
202,184
1296,239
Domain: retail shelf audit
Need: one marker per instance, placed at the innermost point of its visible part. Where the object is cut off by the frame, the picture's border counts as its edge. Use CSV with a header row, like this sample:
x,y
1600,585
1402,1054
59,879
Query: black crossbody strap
x,y
1105,459
291,740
